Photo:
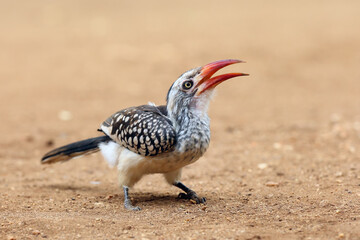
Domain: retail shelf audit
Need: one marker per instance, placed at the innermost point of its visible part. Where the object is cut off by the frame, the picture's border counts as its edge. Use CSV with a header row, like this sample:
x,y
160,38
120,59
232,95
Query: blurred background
x,y
91,58
285,140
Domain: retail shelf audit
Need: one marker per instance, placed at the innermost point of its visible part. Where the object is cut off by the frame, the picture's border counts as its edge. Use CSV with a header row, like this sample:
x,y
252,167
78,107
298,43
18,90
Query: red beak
x,y
210,69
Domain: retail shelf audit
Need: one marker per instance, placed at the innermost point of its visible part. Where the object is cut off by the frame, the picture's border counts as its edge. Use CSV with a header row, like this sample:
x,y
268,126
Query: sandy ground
x,y
284,159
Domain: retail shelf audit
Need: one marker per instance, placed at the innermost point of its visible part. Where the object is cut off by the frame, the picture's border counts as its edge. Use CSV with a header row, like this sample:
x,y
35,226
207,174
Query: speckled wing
x,y
145,130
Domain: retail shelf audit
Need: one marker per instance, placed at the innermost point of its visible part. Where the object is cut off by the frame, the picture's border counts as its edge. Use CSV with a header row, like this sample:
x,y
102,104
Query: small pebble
x,y
95,182
351,149
49,143
339,174
65,115
272,184
324,203
262,165
36,232
277,145
99,204
127,228
22,223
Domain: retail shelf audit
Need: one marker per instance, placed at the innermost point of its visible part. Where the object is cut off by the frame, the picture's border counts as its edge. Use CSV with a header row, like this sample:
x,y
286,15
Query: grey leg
x,y
127,202
190,194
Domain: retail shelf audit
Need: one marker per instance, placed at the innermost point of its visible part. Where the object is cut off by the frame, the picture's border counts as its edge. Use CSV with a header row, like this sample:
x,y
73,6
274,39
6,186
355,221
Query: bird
x,y
150,139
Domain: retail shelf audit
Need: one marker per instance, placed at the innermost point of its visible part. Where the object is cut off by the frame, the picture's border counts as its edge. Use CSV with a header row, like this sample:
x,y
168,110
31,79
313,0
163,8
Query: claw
x,y
183,196
192,196
128,205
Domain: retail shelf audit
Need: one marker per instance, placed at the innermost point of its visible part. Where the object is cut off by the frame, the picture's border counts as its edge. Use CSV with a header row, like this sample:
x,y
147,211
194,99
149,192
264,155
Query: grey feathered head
x,y
194,89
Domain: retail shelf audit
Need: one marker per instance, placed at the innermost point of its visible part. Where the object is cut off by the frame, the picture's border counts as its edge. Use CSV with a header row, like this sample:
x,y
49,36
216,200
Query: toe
x,y
133,208
183,196
192,197
136,208
197,199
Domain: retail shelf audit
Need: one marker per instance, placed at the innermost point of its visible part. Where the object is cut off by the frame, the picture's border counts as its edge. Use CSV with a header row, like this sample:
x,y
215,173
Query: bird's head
x,y
192,91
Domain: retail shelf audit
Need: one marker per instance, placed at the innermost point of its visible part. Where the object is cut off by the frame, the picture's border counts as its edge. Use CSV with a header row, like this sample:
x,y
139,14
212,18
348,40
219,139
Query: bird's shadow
x,y
159,200
151,198
144,199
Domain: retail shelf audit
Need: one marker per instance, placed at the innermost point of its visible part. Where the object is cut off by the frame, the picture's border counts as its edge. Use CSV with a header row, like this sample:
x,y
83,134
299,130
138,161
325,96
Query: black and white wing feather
x,y
145,130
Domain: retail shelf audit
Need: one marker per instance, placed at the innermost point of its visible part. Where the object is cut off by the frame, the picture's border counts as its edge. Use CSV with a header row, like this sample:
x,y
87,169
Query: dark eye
x,y
187,85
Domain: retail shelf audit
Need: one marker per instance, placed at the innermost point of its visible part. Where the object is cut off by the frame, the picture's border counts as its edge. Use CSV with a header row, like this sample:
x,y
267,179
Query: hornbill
x,y
157,139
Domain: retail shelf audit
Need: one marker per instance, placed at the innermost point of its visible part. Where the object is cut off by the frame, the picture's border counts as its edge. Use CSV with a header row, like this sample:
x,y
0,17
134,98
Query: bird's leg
x,y
190,194
127,201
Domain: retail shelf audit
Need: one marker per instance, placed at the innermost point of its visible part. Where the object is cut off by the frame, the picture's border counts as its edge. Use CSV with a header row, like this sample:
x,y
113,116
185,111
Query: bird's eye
x,y
187,85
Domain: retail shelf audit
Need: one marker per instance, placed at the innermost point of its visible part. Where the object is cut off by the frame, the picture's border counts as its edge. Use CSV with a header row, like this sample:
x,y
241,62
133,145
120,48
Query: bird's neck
x,y
193,131
184,118
184,113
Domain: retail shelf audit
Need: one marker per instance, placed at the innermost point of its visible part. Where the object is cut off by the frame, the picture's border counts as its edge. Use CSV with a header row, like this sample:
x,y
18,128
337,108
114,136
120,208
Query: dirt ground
x,y
284,158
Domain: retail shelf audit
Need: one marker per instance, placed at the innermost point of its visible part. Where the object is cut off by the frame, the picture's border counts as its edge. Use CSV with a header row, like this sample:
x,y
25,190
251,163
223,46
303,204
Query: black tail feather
x,y
75,149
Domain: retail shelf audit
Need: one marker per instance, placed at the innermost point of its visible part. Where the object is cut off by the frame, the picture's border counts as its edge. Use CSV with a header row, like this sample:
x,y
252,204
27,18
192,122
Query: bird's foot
x,y
192,196
128,205
127,201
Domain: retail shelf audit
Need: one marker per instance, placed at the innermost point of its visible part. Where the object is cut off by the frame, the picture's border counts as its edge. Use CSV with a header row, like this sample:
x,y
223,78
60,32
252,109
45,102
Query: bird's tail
x,y
76,149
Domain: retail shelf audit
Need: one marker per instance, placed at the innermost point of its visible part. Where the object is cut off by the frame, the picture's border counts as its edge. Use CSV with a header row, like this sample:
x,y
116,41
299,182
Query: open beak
x,y
207,82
